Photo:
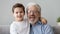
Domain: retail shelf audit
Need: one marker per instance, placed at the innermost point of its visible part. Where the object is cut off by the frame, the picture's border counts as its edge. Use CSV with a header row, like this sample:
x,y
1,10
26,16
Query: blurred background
x,y
50,10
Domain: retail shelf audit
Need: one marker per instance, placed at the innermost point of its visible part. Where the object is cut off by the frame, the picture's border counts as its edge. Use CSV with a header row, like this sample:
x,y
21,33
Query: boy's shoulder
x,y
26,20
13,23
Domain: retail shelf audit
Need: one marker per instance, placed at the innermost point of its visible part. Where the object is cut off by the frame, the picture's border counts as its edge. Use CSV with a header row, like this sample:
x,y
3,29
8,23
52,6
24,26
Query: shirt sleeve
x,y
48,29
13,29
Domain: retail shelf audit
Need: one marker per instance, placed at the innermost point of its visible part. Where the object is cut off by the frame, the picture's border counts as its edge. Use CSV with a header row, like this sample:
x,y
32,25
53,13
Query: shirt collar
x,y
39,22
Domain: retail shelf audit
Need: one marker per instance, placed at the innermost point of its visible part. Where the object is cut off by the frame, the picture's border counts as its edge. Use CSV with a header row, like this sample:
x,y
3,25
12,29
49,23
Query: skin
x,y
43,20
18,14
33,14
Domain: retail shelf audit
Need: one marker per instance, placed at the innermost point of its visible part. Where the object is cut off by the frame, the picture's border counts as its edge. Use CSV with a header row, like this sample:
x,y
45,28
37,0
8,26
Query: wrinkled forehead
x,y
34,8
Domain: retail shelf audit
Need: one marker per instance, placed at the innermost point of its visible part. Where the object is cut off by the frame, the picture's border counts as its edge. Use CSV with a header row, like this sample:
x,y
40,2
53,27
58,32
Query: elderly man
x,y
34,13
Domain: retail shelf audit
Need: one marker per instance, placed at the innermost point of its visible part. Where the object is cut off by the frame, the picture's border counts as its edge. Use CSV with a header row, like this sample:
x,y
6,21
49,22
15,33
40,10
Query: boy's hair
x,y
18,5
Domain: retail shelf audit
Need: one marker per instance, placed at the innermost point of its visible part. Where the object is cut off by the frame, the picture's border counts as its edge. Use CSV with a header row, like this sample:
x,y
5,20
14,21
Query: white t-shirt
x,y
22,27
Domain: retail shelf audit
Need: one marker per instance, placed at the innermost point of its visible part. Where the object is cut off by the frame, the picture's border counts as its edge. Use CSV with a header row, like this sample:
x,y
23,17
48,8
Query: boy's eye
x,y
16,12
21,12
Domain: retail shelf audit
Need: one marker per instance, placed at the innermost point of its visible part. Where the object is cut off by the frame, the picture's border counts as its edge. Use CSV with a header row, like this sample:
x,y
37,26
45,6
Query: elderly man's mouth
x,y
32,18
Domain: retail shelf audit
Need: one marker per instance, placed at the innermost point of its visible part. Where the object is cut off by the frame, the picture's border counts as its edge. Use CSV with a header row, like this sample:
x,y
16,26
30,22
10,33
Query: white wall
x,y
50,10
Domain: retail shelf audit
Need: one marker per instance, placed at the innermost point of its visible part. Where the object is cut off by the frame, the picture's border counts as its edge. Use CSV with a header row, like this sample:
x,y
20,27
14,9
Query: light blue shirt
x,y
39,28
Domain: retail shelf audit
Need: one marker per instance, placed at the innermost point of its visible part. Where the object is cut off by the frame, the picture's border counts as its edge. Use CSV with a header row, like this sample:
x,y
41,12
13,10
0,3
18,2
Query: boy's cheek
x,y
14,15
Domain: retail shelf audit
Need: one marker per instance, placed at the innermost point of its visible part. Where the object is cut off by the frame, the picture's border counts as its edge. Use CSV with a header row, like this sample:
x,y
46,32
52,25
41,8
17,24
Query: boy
x,y
19,26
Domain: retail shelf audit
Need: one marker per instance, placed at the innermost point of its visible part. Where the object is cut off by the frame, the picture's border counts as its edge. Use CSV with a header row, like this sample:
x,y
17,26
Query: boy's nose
x,y
19,13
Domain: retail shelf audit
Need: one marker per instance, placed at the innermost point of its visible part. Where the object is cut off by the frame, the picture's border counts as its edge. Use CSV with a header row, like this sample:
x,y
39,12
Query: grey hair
x,y
34,4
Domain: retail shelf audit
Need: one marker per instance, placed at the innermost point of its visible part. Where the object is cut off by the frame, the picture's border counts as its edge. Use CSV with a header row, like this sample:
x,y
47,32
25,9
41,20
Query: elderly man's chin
x,y
32,21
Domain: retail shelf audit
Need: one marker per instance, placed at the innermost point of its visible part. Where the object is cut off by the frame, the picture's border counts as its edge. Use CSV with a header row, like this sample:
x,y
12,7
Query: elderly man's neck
x,y
35,23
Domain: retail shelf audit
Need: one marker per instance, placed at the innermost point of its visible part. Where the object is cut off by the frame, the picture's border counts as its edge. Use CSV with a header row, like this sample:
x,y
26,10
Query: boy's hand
x,y
43,20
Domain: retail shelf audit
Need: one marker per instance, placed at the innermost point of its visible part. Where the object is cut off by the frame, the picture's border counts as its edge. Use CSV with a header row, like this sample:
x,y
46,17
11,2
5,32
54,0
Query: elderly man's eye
x,y
29,11
33,11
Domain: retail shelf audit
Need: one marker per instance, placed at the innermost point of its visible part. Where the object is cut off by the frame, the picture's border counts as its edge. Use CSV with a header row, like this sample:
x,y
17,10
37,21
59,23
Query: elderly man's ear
x,y
43,20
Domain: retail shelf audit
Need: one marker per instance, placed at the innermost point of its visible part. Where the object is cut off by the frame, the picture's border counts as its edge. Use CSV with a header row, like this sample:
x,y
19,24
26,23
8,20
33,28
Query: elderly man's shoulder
x,y
47,26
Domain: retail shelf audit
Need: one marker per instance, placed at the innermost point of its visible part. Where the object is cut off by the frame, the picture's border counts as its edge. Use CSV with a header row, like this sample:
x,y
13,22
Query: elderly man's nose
x,y
32,13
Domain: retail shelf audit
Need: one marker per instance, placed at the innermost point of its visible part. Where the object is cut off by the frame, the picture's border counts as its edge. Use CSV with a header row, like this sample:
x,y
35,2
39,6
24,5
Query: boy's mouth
x,y
19,16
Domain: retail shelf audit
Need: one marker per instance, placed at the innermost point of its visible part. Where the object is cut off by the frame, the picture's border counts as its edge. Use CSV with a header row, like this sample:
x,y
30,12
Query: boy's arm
x,y
43,20
13,29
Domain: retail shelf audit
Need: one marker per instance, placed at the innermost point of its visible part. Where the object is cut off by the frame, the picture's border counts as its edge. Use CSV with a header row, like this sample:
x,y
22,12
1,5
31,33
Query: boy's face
x,y
18,13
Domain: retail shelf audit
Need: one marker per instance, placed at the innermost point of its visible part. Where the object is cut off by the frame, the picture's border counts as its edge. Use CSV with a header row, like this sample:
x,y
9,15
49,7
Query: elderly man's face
x,y
33,14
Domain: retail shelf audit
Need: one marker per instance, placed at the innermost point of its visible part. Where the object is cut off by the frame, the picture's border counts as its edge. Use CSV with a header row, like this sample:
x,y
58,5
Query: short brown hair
x,y
18,5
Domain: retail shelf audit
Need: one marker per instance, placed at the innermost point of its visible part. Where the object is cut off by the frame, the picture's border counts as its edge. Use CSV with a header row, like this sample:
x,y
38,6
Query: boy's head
x,y
18,11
